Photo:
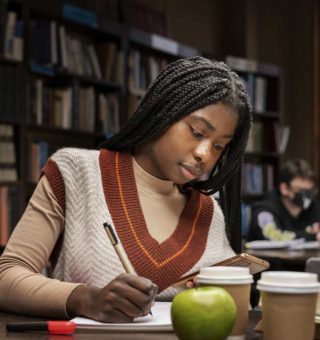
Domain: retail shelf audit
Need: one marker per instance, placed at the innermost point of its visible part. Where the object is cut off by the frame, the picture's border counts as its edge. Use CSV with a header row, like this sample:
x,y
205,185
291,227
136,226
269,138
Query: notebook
x,y
160,321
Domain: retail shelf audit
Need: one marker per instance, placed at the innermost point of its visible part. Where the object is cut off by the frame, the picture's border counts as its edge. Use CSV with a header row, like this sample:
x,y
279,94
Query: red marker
x,y
52,327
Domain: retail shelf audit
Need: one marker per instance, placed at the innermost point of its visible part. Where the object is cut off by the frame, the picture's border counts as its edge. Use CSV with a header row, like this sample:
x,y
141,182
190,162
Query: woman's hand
x,y
185,284
123,299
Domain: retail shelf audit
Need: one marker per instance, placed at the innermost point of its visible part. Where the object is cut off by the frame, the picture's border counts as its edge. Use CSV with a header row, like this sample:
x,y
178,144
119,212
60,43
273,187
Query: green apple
x,y
203,313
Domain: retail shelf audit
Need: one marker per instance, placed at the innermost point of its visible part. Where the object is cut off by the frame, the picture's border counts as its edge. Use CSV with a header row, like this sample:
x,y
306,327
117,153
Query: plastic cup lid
x,y
288,282
225,275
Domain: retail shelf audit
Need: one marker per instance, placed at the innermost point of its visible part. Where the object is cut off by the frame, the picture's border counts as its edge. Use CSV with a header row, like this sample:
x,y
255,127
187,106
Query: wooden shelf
x,y
11,183
266,115
252,66
268,70
15,122
4,60
89,81
71,133
263,154
68,78
161,44
54,10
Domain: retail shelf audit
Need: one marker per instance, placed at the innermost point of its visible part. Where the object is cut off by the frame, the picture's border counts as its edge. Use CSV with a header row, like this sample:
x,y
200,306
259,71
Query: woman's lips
x,y
190,172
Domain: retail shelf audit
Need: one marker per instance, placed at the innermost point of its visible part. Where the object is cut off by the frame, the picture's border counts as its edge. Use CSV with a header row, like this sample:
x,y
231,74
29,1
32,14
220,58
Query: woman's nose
x,y
202,152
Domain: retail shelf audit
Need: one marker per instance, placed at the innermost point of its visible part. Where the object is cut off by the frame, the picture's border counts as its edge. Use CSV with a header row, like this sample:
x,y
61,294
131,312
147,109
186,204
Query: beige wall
x,y
276,31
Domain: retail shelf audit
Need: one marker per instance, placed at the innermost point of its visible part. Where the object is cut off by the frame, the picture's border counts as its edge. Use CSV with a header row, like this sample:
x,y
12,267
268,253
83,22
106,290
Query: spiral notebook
x,y
160,321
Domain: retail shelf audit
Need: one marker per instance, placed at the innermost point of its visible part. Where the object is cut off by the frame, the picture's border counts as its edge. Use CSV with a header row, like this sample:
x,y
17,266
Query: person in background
x,y
292,210
153,182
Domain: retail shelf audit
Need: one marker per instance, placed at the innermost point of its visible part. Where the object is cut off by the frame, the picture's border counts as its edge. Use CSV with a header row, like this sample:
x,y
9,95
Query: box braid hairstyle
x,y
185,86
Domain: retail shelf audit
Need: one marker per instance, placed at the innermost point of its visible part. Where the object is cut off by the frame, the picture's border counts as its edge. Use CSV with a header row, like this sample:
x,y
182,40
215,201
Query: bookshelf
x,y
78,70
11,120
67,79
268,136
148,54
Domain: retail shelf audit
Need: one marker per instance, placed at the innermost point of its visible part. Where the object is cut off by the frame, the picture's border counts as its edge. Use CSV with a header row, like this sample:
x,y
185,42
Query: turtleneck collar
x,y
151,184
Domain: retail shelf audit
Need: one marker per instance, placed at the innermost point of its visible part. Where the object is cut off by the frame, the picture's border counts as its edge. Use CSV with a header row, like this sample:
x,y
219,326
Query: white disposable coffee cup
x,y
237,281
288,304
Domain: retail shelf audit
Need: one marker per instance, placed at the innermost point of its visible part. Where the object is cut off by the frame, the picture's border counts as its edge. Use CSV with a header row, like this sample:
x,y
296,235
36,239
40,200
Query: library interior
x,y
79,75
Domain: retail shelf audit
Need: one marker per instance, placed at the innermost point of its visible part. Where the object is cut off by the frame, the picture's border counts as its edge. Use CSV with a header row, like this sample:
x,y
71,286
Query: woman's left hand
x,y
186,284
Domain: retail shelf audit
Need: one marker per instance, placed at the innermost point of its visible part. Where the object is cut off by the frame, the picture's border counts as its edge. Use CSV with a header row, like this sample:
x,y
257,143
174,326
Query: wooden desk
x,y
6,317
283,259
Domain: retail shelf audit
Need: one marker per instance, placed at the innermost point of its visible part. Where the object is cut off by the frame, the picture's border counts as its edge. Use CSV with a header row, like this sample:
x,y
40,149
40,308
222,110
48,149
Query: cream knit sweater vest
x,y
87,255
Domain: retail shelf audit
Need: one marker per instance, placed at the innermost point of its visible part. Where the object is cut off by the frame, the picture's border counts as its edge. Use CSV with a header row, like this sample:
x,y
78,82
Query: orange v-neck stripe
x,y
163,263
127,214
156,263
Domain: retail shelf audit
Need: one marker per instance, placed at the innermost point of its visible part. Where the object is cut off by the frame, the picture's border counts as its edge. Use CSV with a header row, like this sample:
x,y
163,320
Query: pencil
x,y
117,247
119,250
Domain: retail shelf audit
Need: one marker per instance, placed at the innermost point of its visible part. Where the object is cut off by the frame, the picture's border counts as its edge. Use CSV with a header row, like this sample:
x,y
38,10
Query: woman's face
x,y
190,147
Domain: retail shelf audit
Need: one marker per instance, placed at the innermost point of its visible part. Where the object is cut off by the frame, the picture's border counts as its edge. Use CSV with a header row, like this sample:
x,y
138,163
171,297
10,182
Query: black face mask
x,y
304,198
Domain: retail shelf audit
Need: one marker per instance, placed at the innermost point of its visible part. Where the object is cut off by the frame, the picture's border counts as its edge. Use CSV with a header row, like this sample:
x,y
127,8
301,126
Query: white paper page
x,y
159,321
266,244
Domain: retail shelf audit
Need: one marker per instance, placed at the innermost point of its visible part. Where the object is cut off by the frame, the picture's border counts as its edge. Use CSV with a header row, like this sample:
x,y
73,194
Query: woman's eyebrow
x,y
208,124
205,121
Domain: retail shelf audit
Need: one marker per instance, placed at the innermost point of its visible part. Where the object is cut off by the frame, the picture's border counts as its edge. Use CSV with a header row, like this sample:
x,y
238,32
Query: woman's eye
x,y
196,133
218,147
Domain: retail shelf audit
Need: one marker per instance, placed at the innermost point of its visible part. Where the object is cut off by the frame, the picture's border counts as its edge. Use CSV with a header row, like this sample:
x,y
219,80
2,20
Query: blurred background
x,y
73,71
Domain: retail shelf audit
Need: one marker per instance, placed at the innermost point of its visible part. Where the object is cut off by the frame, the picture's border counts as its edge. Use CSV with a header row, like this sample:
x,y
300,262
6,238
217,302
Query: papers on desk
x,y
266,245
160,321
298,244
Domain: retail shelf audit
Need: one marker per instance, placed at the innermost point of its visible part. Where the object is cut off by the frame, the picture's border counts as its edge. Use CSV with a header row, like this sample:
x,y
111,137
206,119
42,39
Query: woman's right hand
x,y
123,299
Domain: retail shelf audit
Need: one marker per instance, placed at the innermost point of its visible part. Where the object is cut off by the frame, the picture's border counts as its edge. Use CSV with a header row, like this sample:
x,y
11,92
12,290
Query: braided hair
x,y
185,86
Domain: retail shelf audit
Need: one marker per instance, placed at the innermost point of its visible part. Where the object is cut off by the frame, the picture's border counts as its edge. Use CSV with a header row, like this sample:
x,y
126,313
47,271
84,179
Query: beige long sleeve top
x,y
23,289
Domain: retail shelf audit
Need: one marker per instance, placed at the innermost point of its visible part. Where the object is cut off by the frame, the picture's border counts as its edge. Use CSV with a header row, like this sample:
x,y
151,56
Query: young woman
x,y
153,183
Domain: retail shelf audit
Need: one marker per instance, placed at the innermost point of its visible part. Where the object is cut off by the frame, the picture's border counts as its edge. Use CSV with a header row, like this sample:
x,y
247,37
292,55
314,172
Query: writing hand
x,y
123,299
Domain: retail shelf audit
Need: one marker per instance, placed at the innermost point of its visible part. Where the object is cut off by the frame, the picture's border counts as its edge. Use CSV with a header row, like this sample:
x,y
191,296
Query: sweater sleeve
x,y
23,288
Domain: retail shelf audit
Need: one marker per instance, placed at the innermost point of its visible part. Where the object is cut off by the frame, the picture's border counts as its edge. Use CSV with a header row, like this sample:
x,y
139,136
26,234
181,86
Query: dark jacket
x,y
282,220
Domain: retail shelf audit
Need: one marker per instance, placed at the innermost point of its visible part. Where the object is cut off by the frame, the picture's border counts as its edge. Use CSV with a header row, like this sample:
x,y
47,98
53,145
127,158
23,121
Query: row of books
x,y
143,69
245,219
11,33
104,8
268,137
257,87
11,93
108,113
138,14
80,108
8,166
9,214
257,178
39,153
255,141
133,102
262,87
54,48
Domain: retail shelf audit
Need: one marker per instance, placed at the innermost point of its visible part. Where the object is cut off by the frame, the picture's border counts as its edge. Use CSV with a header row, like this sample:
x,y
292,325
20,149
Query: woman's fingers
x,y
127,294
